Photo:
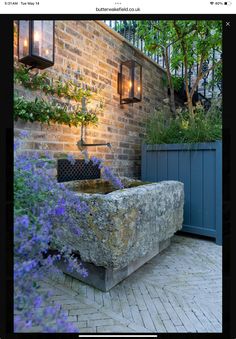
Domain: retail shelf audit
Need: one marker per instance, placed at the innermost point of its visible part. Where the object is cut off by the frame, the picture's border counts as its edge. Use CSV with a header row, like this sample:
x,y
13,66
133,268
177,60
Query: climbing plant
x,y
47,112
41,81
71,112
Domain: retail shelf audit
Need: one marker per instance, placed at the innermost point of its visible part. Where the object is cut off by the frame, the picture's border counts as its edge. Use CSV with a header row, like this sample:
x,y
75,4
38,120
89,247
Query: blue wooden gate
x,y
199,167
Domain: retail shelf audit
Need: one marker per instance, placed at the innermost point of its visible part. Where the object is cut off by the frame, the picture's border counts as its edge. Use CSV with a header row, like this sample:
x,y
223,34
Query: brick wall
x,y
91,49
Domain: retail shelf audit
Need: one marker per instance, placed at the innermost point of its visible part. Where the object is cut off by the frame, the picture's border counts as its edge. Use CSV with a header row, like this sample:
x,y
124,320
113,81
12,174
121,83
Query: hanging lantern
x,y
36,43
130,82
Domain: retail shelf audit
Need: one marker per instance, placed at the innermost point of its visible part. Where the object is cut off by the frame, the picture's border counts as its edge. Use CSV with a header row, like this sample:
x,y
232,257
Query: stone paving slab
x,y
180,290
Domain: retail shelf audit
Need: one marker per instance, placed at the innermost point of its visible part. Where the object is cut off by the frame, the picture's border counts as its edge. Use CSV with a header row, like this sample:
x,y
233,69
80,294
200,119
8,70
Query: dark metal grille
x,y
81,170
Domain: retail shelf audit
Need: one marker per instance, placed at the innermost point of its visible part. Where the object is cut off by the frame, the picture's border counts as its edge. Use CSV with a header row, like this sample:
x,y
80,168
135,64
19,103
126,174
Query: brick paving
x,y
180,290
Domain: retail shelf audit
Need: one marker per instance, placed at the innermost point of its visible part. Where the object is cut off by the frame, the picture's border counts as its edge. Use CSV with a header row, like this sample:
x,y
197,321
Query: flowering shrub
x,y
39,202
106,171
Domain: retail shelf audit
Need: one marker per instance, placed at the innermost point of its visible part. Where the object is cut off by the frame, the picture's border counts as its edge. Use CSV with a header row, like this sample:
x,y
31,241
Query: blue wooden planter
x,y
199,167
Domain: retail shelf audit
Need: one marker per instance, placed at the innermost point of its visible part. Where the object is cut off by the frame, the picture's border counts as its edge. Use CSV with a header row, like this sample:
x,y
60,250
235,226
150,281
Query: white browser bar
x,y
117,7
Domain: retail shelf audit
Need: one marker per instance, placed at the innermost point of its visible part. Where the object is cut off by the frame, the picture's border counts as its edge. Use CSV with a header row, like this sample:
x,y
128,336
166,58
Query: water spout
x,y
81,144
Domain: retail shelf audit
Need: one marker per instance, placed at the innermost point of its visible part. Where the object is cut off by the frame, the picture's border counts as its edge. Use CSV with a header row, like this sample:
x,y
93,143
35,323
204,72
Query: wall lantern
x,y
36,43
130,82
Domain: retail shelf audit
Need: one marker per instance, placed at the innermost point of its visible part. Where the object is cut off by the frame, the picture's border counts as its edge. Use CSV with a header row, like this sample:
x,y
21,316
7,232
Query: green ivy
x,y
46,112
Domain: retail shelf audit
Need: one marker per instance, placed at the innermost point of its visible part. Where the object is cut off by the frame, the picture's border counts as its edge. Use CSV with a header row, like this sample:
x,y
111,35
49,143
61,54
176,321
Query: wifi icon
x,y
212,2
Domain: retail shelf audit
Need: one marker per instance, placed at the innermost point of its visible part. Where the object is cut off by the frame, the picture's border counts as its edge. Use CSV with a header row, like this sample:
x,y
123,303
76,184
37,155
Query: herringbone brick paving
x,y
177,291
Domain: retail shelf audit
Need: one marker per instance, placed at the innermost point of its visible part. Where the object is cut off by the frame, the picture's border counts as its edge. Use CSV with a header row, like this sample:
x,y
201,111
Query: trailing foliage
x,y
47,112
200,126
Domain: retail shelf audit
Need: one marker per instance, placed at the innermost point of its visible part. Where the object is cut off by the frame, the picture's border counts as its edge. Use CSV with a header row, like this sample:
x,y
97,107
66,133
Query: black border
x,y
6,144
6,170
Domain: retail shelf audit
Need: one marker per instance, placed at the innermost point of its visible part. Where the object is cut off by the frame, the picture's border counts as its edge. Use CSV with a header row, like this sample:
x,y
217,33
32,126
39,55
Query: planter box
x,y
199,167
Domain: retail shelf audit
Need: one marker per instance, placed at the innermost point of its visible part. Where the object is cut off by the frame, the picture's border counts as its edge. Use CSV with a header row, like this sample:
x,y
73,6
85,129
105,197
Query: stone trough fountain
x,y
124,228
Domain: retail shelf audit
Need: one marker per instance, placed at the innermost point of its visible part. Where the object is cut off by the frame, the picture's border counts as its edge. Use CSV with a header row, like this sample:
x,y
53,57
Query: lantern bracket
x,y
119,83
30,69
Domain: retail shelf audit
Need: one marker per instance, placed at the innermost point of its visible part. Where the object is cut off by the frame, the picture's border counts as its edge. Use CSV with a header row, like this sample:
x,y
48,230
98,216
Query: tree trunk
x,y
188,95
190,105
170,83
200,75
172,102
189,98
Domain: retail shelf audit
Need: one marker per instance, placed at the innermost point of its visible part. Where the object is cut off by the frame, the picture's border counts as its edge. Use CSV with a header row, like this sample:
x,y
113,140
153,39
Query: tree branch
x,y
198,76
211,68
180,37
201,75
185,58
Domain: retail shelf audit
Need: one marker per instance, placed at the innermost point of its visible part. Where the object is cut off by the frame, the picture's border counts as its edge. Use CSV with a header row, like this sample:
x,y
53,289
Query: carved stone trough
x,y
124,228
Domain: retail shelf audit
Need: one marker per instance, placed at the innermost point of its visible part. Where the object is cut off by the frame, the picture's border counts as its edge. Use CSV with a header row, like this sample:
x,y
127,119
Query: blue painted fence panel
x,y
199,167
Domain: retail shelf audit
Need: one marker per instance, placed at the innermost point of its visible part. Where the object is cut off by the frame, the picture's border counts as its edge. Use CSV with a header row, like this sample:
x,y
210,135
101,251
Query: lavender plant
x,y
107,173
39,203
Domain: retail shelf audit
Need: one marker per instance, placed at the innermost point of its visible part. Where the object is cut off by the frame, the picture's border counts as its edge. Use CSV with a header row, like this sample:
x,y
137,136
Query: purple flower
x,y
38,301
60,210
96,161
24,134
17,144
82,207
39,202
86,156
107,173
23,221
71,159
28,323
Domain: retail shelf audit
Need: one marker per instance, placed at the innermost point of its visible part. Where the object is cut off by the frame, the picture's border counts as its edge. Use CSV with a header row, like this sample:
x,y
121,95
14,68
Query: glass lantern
x,y
130,82
36,43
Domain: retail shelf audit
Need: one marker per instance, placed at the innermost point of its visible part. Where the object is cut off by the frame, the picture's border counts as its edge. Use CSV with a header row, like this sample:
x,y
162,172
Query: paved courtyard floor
x,y
180,290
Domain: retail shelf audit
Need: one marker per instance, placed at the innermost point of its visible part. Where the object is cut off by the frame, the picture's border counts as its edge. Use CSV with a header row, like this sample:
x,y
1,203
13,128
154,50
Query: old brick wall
x,y
91,49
